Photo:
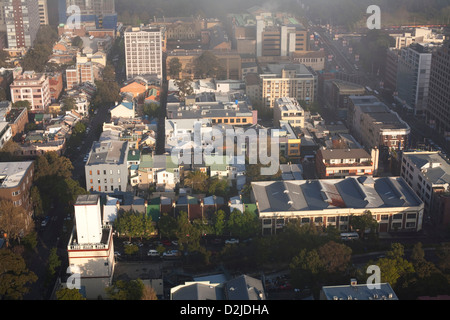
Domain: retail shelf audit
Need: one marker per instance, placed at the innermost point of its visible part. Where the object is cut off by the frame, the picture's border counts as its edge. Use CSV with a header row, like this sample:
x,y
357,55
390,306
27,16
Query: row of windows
x,y
104,172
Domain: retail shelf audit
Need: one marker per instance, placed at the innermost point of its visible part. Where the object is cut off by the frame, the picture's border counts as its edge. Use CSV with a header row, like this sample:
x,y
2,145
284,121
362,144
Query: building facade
x,y
91,248
106,169
32,87
438,106
287,80
413,77
341,163
332,202
22,22
143,51
427,173
16,179
373,124
290,110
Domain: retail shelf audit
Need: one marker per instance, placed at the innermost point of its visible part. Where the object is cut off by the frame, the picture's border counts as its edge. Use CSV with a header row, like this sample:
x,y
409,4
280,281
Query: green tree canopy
x,y
69,294
126,290
14,276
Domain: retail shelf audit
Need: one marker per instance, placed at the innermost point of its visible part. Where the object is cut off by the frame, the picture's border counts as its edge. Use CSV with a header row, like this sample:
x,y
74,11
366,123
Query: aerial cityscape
x,y
250,151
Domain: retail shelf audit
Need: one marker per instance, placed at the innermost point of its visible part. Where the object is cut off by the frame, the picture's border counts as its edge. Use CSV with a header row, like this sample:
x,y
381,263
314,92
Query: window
x,y
397,216
305,220
411,216
343,218
384,217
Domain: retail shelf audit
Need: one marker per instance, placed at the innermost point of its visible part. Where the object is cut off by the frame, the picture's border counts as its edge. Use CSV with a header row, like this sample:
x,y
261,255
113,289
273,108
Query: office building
x,y
438,106
22,22
91,248
143,51
100,12
43,12
413,76
373,124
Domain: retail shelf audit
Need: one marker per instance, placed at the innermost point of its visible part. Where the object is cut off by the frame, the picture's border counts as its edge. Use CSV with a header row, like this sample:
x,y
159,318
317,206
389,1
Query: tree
x,y
394,267
77,42
36,202
207,66
363,222
151,109
148,293
184,88
305,268
130,223
167,225
14,276
69,294
22,104
335,257
218,221
174,68
69,104
13,220
126,290
197,180
218,187
242,224
53,263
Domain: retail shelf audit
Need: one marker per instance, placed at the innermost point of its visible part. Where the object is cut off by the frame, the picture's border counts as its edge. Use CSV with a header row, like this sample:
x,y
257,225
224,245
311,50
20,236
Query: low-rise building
x,y
106,169
340,163
332,202
428,174
290,110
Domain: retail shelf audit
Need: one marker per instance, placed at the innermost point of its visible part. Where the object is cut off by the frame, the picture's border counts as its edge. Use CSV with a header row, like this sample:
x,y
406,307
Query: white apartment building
x,y
425,172
143,51
288,109
91,248
106,169
287,80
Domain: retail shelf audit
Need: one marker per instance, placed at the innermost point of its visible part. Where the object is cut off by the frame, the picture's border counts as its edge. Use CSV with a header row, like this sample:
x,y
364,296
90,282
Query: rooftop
x,y
359,193
11,173
434,167
108,152
359,292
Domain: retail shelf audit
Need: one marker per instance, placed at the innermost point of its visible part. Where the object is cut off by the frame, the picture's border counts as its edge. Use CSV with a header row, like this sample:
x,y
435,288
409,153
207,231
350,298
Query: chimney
x,y
353,282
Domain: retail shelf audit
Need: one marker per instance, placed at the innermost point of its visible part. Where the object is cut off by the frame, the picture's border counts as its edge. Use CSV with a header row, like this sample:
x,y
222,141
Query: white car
x,y
231,241
170,253
152,253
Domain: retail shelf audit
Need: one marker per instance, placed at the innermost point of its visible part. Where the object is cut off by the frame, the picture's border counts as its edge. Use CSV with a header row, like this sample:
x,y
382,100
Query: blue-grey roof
x,y
352,192
358,292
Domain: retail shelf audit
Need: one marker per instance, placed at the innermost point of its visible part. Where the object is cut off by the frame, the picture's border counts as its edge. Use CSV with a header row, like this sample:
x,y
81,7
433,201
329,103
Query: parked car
x,y
166,242
45,221
152,253
232,241
171,253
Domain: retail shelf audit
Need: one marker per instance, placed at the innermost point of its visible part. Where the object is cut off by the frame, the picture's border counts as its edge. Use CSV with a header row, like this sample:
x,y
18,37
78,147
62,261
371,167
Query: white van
x,y
349,236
